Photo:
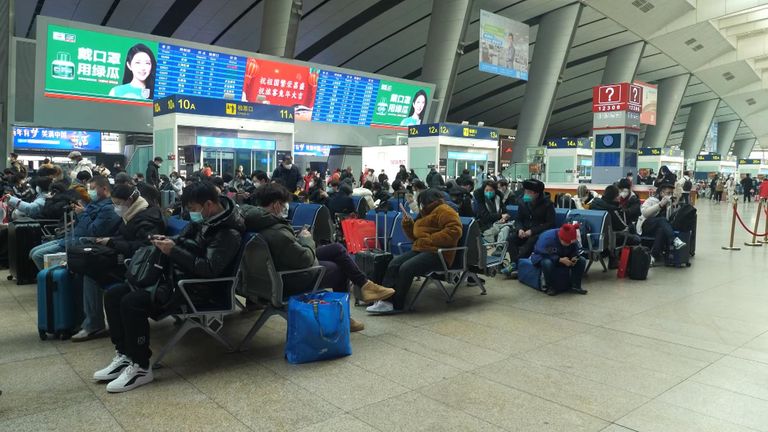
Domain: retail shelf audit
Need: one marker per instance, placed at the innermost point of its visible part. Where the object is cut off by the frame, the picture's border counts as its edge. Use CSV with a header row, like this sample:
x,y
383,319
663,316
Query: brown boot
x,y
374,292
355,325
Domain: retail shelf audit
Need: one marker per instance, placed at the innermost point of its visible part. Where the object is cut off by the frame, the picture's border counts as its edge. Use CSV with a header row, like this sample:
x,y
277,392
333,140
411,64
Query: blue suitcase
x,y
59,302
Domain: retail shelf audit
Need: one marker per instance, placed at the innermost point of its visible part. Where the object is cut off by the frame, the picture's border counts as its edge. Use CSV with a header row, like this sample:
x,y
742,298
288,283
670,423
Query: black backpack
x,y
684,219
687,186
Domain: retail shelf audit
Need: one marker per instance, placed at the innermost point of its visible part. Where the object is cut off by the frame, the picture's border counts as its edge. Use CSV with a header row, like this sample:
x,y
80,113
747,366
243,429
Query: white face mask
x,y
287,166
120,210
624,193
284,212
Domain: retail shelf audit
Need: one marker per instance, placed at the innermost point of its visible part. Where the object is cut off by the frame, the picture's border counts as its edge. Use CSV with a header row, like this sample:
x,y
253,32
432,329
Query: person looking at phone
x,y
654,221
558,248
30,209
291,251
437,226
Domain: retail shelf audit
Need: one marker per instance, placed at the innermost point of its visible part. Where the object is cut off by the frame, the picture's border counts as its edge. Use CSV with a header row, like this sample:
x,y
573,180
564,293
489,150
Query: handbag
x,y
148,267
99,262
621,271
318,327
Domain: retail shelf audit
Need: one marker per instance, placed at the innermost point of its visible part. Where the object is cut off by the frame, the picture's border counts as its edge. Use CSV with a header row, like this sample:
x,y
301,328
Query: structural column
x,y
742,148
671,91
6,39
553,42
726,132
699,121
279,27
621,65
445,45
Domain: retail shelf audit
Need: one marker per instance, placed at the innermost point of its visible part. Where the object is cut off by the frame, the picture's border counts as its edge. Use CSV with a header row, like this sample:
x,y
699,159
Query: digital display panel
x,y
344,99
399,104
30,138
87,65
195,72
607,159
236,143
276,83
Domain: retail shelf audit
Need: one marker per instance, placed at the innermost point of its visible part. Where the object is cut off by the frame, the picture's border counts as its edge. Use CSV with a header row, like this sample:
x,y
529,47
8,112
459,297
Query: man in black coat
x,y
152,176
434,179
535,215
287,174
206,248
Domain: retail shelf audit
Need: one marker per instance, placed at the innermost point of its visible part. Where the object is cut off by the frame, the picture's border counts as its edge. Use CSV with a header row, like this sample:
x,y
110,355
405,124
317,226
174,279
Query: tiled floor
x,y
686,350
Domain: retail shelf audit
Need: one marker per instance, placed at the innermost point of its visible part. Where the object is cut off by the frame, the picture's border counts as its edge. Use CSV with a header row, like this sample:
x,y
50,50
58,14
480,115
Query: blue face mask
x,y
490,194
527,198
196,216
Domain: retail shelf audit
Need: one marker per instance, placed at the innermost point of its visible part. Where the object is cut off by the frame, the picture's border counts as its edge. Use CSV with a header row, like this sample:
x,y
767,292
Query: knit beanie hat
x,y
568,232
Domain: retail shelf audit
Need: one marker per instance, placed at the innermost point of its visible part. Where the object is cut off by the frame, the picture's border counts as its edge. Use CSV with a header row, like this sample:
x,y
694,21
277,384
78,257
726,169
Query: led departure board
x,y
344,98
196,72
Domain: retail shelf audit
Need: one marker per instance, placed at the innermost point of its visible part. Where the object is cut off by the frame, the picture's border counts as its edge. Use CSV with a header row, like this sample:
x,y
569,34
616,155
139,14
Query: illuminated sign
x,y
222,108
617,97
453,130
32,138
236,143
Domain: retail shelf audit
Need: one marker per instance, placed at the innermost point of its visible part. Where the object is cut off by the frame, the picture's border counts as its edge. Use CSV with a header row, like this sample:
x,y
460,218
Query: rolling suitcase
x,y
59,303
23,235
373,262
681,257
167,199
639,263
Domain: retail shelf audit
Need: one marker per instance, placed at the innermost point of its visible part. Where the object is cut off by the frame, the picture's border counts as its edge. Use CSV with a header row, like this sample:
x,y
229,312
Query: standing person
x,y
763,191
480,175
665,176
412,177
371,177
683,188
383,178
80,164
434,179
728,186
535,215
309,180
287,174
748,186
152,176
402,175
713,188
654,221
559,247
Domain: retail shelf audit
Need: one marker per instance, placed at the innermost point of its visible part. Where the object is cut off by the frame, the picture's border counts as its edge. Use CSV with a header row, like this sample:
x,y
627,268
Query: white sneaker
x,y
677,243
114,369
133,376
380,307
653,261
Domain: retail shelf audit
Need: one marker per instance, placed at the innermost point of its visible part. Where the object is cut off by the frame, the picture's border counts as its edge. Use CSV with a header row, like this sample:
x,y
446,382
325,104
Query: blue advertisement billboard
x,y
32,138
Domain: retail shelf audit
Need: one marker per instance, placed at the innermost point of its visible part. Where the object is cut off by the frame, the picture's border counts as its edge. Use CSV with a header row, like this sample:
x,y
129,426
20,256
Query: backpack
x,y
687,186
684,219
584,228
639,263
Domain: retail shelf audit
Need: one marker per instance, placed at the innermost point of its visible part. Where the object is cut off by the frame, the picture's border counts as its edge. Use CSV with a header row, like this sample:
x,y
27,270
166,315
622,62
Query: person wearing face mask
x,y
79,164
434,179
491,213
291,251
206,248
628,202
287,174
413,199
176,183
507,195
30,209
535,215
654,221
620,224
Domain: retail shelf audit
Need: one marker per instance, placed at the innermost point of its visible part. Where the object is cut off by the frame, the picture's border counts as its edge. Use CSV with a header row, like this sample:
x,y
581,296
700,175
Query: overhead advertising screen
x,y
399,104
648,111
345,99
276,83
29,138
82,64
503,46
236,143
196,72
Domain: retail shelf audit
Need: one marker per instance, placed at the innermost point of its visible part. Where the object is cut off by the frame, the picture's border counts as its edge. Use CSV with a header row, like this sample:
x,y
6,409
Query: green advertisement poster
x,y
399,104
82,64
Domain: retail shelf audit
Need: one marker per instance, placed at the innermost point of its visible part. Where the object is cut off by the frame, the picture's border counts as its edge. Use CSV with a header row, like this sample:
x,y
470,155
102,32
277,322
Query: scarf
x,y
139,205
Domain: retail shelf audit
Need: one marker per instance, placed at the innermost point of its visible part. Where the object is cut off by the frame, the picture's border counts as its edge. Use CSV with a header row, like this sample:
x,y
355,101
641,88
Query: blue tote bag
x,y
318,327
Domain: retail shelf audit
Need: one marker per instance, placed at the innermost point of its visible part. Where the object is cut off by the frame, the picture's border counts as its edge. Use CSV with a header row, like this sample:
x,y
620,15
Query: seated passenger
x,y
413,199
491,213
136,222
535,215
366,192
437,226
295,252
207,248
654,221
609,202
507,195
460,192
558,247
629,202
341,202
584,197
31,209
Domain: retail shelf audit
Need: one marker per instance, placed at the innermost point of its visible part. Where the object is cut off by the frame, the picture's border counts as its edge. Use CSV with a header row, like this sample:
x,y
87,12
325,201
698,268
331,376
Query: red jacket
x,y
764,189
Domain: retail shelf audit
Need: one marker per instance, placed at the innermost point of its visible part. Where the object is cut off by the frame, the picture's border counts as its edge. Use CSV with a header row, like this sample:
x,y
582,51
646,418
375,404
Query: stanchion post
x,y
754,241
731,247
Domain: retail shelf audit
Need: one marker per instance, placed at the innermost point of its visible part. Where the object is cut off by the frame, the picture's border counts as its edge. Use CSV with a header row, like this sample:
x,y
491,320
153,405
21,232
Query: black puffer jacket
x,y
209,249
135,234
537,216
289,178
152,174
618,218
487,214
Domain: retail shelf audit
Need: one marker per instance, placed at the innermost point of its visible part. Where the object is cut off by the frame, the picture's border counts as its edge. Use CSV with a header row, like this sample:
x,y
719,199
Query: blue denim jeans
x,y
93,305
38,252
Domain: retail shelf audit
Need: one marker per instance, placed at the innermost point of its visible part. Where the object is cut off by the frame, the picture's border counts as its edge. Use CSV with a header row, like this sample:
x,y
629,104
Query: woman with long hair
x,y
416,113
139,74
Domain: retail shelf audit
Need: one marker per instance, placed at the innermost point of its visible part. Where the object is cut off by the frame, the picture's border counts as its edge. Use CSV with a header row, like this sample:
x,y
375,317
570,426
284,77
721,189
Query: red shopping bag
x,y
355,231
621,273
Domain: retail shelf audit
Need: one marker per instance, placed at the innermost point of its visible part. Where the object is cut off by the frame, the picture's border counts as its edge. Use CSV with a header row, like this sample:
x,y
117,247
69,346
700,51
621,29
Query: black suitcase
x,y
23,235
373,262
639,263
681,257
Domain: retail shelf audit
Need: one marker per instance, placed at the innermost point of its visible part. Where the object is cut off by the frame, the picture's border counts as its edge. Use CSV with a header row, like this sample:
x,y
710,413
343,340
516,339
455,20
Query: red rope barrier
x,y
745,226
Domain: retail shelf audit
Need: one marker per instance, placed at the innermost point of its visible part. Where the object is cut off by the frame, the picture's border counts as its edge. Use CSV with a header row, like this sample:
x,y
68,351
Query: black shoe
x,y
551,292
579,291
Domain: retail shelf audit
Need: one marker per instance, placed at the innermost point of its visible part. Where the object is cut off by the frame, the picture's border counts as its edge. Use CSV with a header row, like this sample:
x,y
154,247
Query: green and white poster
x,y
93,66
399,104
